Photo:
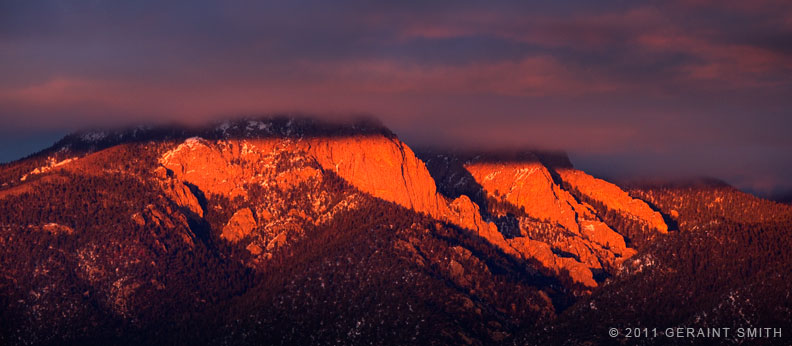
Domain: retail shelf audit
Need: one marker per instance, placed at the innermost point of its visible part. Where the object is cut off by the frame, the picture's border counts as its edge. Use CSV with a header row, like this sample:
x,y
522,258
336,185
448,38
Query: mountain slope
x,y
543,216
295,231
113,227
726,267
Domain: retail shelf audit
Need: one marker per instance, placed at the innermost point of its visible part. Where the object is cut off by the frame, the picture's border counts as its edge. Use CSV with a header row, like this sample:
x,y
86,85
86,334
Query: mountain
x,y
296,231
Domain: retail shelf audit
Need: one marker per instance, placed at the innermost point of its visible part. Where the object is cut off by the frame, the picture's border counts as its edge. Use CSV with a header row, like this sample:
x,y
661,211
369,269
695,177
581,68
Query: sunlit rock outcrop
x,y
383,167
613,198
179,192
239,226
555,228
528,186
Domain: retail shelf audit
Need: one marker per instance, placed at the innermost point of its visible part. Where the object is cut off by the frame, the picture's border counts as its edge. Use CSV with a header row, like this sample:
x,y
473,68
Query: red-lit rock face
x,y
527,186
380,166
386,168
613,197
179,192
589,244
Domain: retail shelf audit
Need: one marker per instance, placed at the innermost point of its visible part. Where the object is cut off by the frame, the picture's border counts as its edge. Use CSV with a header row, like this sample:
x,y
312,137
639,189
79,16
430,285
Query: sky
x,y
631,89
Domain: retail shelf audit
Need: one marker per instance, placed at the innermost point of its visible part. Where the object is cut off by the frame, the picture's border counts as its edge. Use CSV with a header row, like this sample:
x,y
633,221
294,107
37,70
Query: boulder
x,y
239,226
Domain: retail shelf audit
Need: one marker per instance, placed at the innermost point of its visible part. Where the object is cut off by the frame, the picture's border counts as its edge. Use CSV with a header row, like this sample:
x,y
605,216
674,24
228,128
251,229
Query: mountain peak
x,y
277,126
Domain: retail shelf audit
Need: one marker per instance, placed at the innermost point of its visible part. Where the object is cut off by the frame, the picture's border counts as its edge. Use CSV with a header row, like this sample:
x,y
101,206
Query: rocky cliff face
x,y
613,198
548,222
566,235
383,167
530,187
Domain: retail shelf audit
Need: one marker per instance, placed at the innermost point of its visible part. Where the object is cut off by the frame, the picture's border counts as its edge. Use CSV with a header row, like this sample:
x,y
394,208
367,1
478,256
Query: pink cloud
x,y
533,76
755,6
581,30
734,65
318,86
714,63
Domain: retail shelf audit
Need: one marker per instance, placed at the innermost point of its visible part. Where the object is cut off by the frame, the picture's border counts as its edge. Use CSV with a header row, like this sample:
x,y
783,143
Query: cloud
x,y
648,80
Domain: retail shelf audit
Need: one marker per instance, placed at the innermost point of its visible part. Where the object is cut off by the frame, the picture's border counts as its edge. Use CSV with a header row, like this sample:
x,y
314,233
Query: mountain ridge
x,y
372,159
252,199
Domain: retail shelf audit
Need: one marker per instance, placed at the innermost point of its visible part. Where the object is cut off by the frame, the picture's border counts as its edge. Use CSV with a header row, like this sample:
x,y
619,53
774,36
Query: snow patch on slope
x,y
93,136
51,164
188,144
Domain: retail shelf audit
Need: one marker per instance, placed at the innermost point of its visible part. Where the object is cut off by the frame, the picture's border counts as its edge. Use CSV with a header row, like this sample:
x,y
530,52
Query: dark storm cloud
x,y
698,86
